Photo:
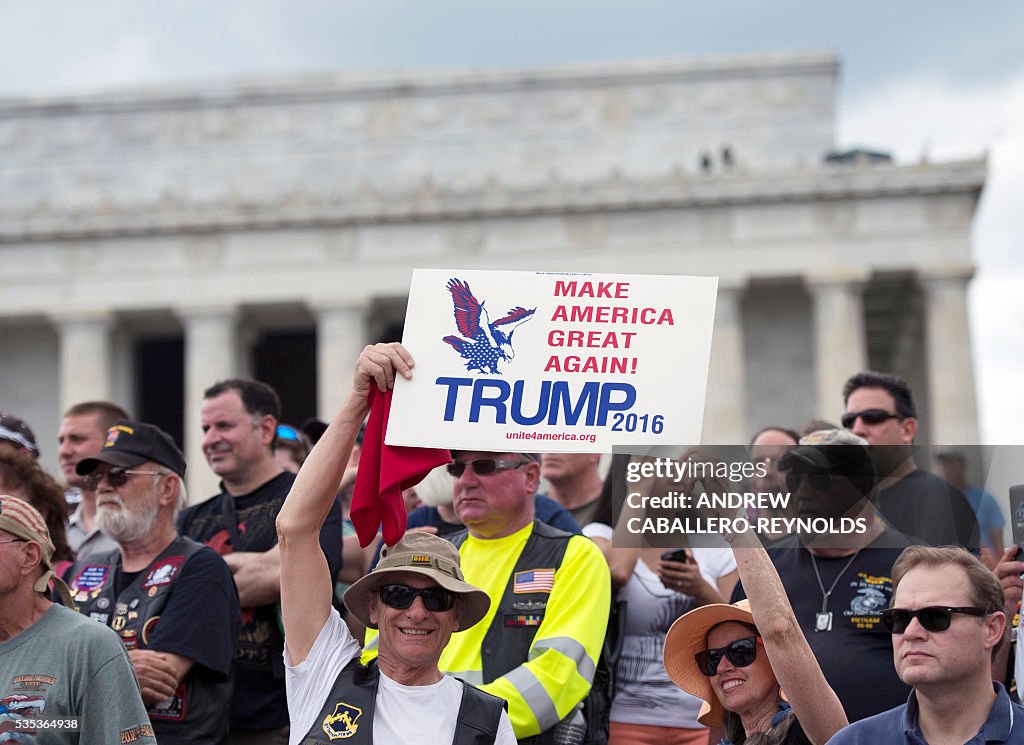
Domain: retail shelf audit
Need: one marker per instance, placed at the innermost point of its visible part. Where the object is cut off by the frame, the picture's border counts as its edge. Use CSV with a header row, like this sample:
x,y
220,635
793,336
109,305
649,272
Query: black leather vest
x,y
347,713
197,713
507,642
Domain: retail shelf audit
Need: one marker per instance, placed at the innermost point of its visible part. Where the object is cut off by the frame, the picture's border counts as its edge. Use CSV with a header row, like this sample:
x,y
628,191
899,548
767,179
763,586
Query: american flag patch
x,y
533,580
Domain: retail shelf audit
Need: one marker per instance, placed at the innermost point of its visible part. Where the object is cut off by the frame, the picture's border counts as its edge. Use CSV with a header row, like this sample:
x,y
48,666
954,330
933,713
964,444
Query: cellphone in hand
x,y
678,555
1017,514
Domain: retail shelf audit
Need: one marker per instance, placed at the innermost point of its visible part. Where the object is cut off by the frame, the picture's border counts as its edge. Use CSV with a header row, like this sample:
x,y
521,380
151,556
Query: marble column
x,y
341,334
725,410
85,356
953,412
211,354
840,343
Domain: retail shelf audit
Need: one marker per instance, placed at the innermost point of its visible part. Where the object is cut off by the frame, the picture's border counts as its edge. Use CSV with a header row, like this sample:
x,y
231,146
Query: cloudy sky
x,y
940,78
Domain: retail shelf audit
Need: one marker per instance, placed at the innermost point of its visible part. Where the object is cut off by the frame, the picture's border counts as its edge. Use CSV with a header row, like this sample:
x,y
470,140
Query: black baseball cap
x,y
131,443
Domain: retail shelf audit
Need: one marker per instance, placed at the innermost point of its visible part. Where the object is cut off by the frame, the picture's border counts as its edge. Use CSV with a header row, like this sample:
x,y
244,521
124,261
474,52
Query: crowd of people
x,y
507,612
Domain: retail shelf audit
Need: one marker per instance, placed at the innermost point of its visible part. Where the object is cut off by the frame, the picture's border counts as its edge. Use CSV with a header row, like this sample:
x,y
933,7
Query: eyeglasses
x,y
819,480
14,540
932,618
868,416
435,599
116,477
288,433
484,466
741,653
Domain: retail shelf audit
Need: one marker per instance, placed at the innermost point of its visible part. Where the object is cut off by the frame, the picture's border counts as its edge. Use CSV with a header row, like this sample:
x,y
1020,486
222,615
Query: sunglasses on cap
x,y
484,466
868,416
741,653
116,477
932,618
288,433
435,599
819,480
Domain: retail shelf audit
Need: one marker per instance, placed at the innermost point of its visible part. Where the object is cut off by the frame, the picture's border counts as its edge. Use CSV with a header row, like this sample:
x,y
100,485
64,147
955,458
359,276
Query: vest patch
x,y
523,619
341,725
529,605
147,628
90,580
533,580
163,573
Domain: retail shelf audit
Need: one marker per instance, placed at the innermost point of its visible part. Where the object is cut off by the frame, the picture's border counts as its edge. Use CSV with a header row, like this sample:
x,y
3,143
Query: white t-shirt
x,y
403,714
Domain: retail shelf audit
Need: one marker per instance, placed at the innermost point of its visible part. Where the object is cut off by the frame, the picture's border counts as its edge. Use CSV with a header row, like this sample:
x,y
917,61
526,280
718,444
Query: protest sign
x,y
543,361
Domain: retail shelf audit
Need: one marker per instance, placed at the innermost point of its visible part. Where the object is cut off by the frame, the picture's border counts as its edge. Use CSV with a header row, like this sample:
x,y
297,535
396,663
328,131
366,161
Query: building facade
x,y
156,240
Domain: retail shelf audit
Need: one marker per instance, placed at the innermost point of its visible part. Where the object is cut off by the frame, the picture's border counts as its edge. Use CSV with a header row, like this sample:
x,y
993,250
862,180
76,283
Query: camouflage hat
x,y
23,521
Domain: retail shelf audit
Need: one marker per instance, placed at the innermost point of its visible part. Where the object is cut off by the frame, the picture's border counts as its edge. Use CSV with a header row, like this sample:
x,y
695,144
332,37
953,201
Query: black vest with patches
x,y
507,642
347,713
197,712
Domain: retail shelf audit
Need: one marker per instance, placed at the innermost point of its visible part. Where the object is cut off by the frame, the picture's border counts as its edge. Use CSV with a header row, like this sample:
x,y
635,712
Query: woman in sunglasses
x,y
751,664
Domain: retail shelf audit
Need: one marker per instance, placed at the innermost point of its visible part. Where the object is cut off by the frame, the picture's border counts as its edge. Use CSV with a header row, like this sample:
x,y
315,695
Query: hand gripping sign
x,y
541,361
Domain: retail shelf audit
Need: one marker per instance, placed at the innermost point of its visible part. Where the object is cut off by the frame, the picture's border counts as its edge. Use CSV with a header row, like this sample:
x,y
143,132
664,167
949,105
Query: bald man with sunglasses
x,y
946,621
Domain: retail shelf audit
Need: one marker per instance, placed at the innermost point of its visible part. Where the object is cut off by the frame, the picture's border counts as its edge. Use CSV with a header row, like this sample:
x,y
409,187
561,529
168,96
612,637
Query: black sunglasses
x,y
932,618
820,480
116,477
484,466
868,416
741,653
435,599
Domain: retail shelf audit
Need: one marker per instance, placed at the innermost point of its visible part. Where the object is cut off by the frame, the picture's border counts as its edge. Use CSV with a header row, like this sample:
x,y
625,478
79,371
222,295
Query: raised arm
x,y
815,703
306,582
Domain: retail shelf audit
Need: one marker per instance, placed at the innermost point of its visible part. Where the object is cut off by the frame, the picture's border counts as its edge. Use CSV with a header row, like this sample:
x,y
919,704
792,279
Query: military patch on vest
x,y
147,628
533,580
341,725
130,639
523,619
164,573
101,617
529,605
90,580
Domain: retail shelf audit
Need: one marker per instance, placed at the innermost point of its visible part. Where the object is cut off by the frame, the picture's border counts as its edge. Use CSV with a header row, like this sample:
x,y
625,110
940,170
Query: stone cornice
x,y
428,201
313,88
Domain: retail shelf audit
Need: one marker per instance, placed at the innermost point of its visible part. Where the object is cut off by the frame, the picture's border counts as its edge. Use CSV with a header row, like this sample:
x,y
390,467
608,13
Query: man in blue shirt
x,y
946,619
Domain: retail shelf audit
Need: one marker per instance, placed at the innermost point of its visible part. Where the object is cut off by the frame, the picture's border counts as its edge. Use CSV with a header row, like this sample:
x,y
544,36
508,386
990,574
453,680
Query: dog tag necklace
x,y
823,620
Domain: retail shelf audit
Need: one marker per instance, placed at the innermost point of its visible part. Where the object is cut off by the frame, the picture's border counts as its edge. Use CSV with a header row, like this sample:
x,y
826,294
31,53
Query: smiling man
x,y
170,599
239,419
946,620
416,597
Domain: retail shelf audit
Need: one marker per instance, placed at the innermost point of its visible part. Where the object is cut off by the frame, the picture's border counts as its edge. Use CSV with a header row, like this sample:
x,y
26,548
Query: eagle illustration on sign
x,y
483,342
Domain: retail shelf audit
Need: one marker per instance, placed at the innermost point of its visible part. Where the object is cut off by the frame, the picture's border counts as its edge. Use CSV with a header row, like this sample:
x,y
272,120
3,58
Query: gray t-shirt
x,y
67,665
